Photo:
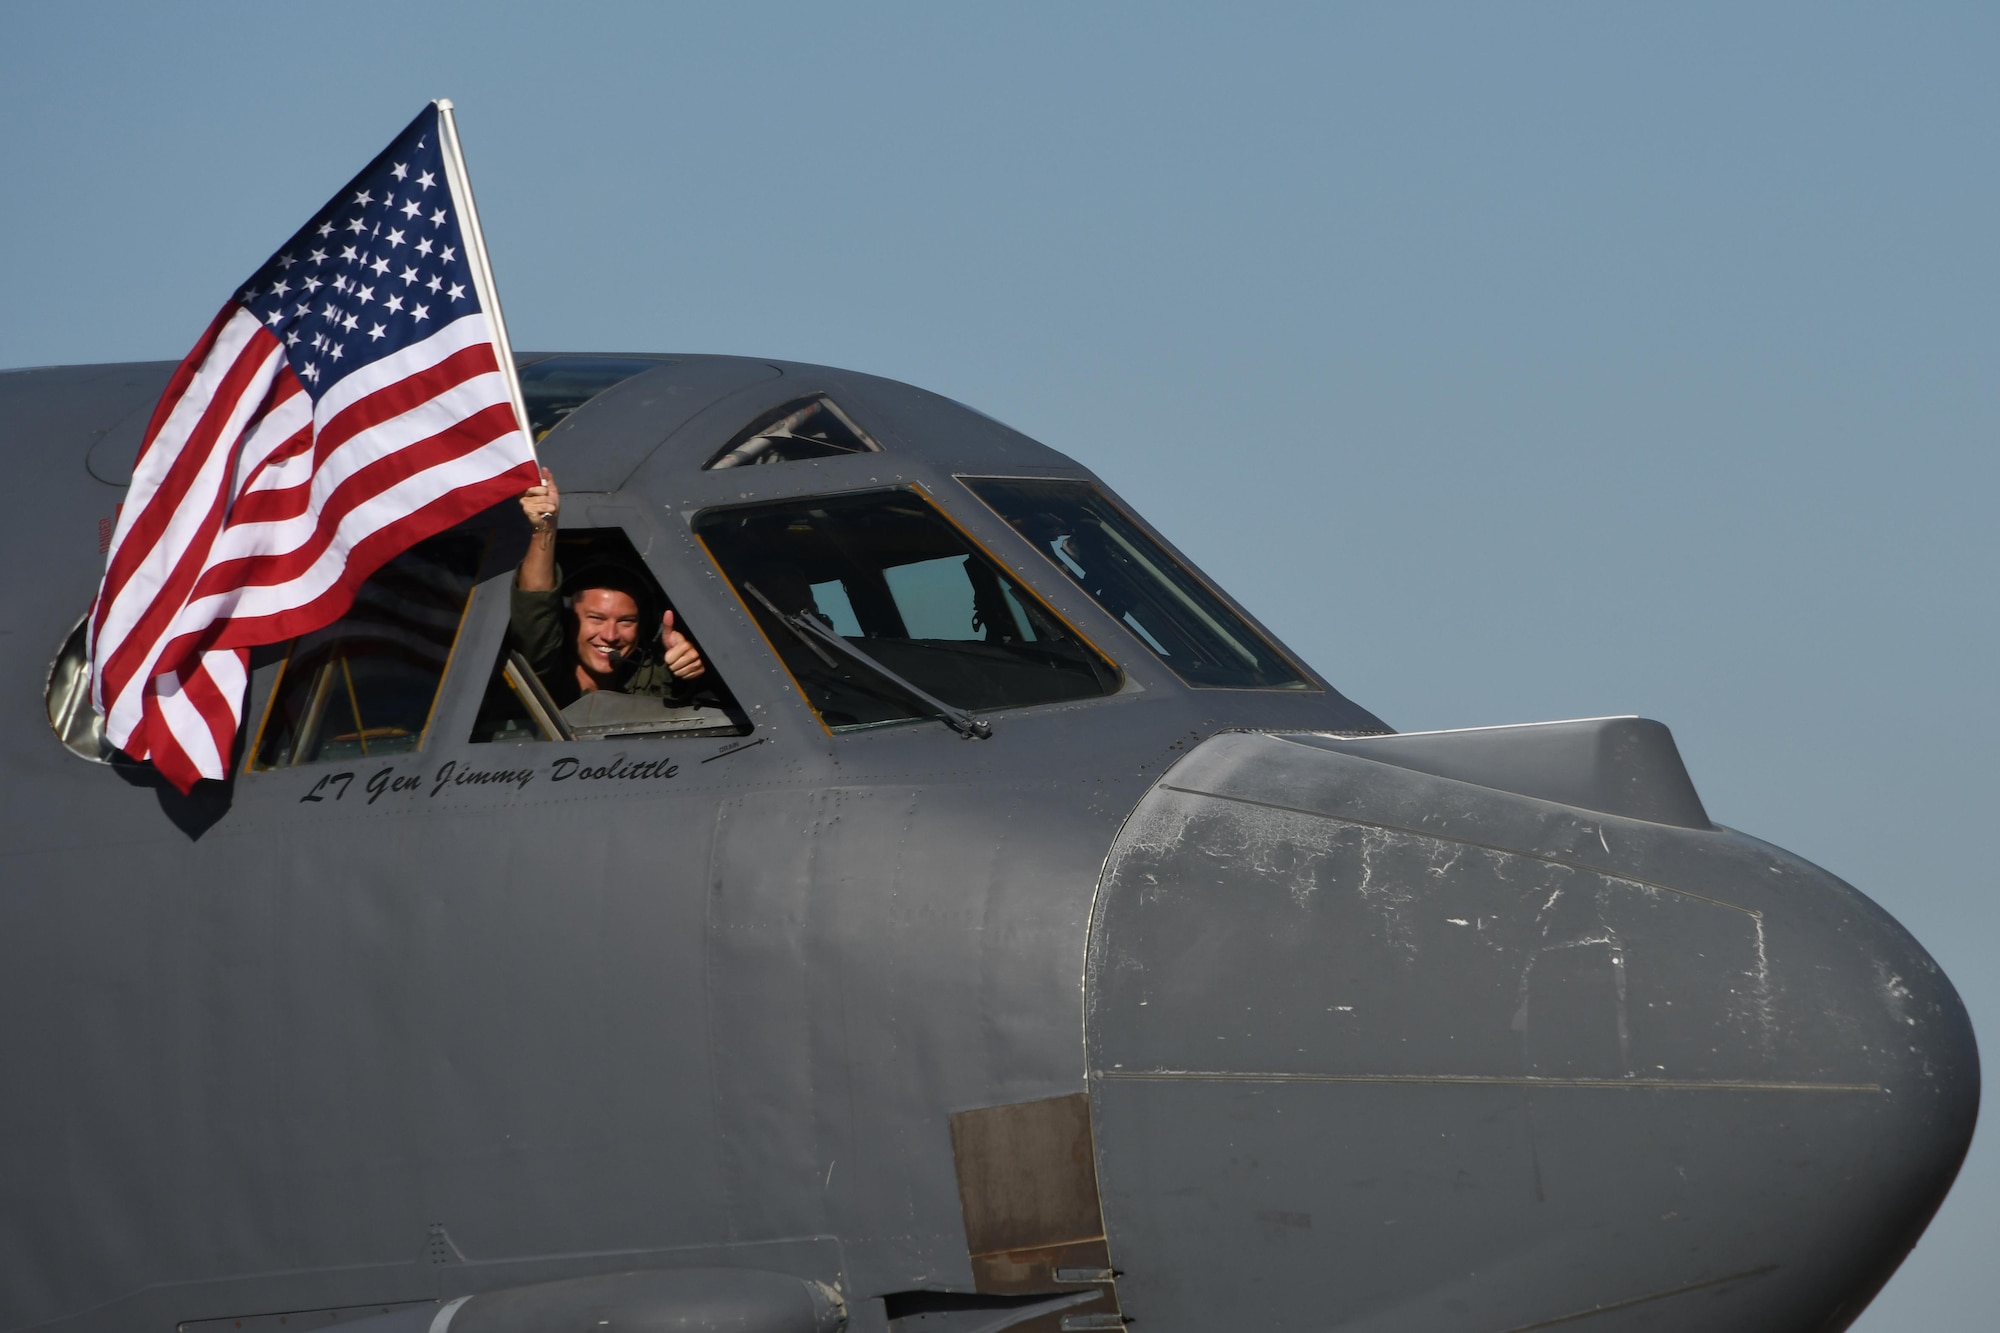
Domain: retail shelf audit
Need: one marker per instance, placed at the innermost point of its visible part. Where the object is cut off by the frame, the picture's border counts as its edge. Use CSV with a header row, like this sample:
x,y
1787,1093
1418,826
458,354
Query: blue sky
x,y
1512,362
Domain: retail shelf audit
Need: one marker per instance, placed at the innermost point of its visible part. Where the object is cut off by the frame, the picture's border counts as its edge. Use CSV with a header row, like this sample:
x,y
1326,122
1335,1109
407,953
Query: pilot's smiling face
x,y
606,619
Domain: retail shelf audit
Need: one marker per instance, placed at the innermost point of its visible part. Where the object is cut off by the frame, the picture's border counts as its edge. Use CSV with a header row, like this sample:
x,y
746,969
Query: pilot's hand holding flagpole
x,y
542,505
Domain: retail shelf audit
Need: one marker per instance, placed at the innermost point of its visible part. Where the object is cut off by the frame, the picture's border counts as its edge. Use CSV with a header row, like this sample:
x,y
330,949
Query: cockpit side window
x,y
1130,575
608,606
803,428
366,684
889,574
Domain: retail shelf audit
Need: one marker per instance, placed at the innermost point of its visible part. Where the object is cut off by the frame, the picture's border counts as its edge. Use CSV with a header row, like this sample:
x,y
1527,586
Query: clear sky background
x,y
1512,362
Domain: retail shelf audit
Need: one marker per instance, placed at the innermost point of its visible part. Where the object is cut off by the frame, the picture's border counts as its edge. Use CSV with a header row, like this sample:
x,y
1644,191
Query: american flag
x,y
346,404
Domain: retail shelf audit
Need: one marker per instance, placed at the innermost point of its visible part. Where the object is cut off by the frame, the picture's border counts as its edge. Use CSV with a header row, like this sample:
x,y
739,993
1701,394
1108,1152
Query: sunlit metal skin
x,y
1489,1030
1375,1017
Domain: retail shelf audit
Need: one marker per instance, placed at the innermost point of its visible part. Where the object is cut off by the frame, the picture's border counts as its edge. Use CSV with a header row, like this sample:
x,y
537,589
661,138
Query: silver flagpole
x,y
460,185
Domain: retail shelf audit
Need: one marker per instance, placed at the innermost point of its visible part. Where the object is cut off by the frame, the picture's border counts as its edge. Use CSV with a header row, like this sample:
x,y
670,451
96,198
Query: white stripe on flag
x,y
450,339
278,426
369,446
190,730
378,511
130,601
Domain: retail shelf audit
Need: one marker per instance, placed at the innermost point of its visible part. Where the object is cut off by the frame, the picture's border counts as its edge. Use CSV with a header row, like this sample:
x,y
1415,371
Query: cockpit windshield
x,y
1130,575
556,386
887,572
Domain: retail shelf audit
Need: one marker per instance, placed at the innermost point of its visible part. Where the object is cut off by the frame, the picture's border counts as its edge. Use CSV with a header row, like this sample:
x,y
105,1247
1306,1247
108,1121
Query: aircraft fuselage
x,y
1285,1021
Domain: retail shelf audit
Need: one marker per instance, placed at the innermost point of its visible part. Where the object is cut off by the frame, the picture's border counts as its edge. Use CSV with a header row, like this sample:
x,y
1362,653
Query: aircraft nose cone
x,y
1378,1049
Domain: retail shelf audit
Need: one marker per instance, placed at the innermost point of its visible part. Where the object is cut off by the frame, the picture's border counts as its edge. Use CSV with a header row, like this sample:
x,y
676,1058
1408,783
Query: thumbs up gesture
x,y
683,658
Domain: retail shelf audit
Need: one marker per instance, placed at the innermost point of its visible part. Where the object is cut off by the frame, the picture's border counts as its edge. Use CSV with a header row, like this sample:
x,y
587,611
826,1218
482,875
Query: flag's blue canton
x,y
382,266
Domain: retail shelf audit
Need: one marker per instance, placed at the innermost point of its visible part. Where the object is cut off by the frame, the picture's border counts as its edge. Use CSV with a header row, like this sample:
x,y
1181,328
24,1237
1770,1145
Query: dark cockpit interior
x,y
364,686
891,576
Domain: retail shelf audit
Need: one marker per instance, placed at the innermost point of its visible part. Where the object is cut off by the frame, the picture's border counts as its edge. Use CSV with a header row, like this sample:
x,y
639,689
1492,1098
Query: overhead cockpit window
x,y
896,596
76,723
1130,575
590,659
558,385
364,685
805,428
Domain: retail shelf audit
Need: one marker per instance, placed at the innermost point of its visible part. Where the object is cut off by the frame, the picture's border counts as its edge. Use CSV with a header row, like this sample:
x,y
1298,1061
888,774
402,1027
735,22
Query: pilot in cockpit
x,y
604,639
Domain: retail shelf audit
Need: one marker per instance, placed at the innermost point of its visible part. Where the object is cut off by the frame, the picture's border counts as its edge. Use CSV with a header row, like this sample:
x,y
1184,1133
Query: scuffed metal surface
x,y
1487,1053
1367,922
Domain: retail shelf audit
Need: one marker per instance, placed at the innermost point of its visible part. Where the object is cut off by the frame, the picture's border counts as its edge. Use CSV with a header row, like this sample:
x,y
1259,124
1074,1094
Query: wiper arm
x,y
819,638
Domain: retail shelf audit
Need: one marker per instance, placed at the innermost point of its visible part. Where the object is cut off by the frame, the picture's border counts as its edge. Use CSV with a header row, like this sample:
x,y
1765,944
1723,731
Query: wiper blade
x,y
819,638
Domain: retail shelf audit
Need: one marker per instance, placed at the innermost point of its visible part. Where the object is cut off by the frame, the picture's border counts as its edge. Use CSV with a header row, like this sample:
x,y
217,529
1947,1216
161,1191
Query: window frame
x,y
602,513
764,421
1125,684
1310,680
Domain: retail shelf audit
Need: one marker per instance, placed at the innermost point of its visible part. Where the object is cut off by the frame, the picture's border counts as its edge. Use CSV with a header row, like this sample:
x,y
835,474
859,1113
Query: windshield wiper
x,y
816,636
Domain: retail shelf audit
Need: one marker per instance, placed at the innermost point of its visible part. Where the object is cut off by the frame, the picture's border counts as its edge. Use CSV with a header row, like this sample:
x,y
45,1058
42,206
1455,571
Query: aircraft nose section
x,y
1426,1038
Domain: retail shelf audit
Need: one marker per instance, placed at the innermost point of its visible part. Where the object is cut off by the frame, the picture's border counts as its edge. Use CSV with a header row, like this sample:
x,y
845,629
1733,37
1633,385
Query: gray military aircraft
x,y
1015,936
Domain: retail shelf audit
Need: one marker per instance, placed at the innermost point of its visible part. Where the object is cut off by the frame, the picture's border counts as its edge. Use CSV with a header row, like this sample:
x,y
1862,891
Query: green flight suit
x,y
543,634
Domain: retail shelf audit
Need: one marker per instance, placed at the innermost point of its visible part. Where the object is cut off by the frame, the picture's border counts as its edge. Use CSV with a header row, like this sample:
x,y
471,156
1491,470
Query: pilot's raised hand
x,y
683,658
542,504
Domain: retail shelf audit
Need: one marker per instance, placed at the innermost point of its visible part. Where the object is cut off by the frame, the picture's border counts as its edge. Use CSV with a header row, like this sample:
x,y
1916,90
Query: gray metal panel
x,y
1461,1053
1625,766
99,412
940,967
596,447
691,1300
911,425
761,975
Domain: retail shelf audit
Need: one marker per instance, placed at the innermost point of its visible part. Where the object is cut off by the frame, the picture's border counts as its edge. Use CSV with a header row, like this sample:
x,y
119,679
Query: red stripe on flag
x,y
152,517
378,548
393,400
171,758
366,413
283,390
138,743
461,438
217,711
184,374
134,650
275,506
